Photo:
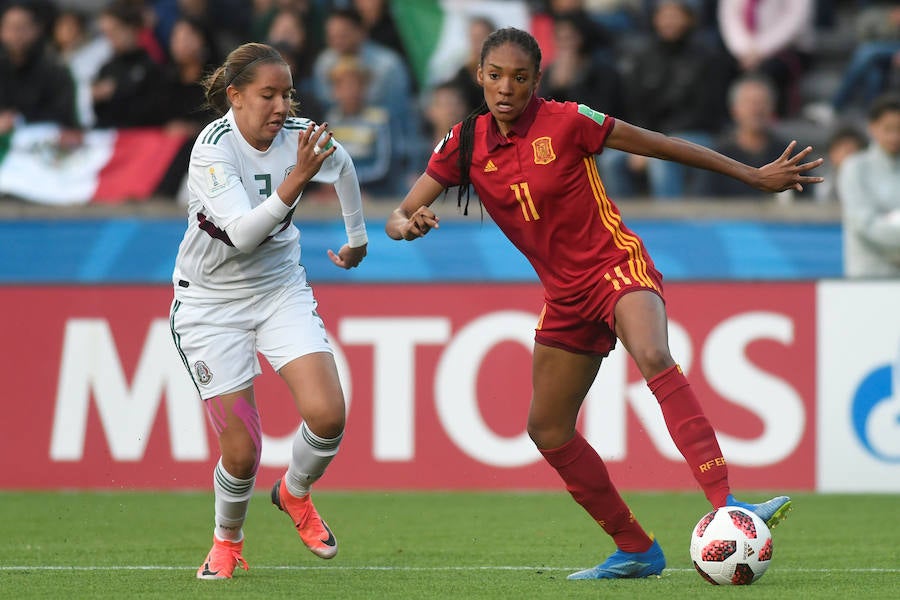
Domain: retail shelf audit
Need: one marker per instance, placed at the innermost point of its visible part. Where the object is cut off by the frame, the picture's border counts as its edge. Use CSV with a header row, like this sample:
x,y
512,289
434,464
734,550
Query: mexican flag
x,y
435,32
42,163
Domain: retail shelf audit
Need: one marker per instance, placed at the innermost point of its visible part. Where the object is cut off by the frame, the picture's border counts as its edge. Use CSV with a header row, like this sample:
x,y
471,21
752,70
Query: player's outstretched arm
x,y
413,218
788,171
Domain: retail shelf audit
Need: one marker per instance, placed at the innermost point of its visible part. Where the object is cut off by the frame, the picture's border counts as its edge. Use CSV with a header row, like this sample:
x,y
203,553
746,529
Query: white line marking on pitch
x,y
376,568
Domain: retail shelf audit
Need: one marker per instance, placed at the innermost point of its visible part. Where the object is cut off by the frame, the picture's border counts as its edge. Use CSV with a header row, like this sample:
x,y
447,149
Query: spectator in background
x,y
843,141
618,17
194,54
346,37
580,71
751,140
84,53
774,38
127,91
364,131
380,26
264,12
464,79
288,31
868,73
389,81
674,83
228,19
34,85
869,189
445,106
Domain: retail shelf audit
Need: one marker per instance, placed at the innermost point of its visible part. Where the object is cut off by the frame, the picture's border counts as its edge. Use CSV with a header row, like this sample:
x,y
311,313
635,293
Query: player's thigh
x,y
291,327
294,341
316,388
216,345
560,380
641,324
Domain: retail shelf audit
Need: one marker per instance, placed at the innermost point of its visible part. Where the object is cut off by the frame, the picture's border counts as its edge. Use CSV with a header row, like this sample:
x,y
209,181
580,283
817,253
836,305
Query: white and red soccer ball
x,y
731,546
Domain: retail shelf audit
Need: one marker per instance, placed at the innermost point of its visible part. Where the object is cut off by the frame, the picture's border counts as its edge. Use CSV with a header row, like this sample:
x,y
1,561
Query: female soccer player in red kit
x,y
531,162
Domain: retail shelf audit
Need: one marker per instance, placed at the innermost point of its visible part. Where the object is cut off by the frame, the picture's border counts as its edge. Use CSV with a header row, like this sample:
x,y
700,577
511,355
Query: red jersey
x,y
541,186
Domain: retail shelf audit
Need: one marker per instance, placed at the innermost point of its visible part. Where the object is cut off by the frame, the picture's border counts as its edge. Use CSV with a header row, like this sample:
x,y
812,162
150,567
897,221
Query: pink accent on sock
x,y
250,417
692,432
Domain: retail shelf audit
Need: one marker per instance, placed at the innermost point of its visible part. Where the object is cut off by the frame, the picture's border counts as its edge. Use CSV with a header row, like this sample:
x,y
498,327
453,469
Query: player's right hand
x,y
311,150
420,223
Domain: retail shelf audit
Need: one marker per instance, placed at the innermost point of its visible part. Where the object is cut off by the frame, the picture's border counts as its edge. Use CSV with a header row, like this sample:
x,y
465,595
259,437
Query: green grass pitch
x,y
423,545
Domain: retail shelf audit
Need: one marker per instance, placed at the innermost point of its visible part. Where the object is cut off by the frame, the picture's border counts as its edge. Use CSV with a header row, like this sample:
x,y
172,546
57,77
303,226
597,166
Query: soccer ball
x,y
731,546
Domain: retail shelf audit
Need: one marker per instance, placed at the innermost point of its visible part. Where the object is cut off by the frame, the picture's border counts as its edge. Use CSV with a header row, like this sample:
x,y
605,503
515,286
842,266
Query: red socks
x,y
692,433
587,479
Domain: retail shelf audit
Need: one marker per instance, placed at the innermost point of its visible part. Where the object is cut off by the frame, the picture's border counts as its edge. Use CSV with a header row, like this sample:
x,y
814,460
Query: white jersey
x,y
227,178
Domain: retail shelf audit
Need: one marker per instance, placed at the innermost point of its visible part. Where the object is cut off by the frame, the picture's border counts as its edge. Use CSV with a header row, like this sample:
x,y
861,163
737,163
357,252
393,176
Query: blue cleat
x,y
627,565
773,511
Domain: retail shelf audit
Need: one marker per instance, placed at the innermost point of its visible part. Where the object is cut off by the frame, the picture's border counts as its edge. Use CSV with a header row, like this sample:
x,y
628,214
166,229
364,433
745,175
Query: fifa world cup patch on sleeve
x,y
596,115
217,179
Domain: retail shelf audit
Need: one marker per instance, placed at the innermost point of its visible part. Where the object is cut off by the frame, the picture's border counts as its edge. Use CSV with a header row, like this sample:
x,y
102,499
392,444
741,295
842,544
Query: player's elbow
x,y
243,243
244,247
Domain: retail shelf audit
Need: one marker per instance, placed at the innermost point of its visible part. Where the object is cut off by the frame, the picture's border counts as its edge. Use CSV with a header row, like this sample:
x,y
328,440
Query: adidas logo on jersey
x,y
490,167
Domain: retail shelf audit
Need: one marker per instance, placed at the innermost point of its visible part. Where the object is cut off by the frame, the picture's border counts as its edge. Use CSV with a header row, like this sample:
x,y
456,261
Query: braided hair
x,y
507,35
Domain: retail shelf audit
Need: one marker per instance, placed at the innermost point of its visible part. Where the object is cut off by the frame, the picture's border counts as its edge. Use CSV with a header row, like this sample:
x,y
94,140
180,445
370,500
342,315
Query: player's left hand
x,y
347,257
787,172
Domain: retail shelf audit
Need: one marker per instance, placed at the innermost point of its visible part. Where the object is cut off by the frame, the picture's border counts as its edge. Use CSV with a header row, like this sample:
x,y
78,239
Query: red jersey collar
x,y
495,139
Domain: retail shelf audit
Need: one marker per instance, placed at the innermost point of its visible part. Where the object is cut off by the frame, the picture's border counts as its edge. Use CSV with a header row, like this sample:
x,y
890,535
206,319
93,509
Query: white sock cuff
x,y
320,445
229,487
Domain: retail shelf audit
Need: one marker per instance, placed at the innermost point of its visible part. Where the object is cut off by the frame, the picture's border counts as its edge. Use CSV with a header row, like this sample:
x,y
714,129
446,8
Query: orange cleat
x,y
222,559
312,529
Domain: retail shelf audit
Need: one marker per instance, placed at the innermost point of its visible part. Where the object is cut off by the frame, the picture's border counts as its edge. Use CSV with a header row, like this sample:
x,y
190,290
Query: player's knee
x,y
652,360
329,425
242,463
546,435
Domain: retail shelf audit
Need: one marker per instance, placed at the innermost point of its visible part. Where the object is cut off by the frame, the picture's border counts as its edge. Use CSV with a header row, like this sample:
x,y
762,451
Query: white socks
x,y
232,498
310,456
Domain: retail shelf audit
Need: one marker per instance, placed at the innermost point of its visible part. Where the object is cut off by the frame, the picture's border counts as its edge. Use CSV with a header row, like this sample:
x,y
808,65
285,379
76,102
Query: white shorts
x,y
218,341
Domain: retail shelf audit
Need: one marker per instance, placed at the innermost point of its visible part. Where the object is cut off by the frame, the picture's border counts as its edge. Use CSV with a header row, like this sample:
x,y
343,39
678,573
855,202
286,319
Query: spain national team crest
x,y
543,151
204,375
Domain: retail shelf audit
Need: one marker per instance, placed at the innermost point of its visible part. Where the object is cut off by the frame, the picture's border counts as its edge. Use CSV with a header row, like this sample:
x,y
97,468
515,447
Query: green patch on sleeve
x,y
587,111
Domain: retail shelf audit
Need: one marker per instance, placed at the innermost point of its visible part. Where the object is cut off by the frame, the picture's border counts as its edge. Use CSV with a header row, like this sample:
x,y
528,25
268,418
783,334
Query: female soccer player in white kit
x,y
240,289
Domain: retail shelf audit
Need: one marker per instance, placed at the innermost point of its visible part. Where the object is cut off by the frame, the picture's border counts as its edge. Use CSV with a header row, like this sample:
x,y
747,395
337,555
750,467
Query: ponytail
x,y
214,86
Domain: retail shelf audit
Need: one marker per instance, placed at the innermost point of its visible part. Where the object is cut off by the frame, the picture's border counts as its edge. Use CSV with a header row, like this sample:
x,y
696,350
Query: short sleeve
x,y
442,166
592,127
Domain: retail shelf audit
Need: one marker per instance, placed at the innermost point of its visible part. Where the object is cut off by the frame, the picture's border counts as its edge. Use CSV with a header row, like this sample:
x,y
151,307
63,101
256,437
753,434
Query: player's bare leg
x,y
561,380
641,325
314,383
236,422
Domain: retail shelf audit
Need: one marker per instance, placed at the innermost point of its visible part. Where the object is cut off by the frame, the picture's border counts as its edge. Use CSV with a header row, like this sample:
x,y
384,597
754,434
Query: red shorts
x,y
587,324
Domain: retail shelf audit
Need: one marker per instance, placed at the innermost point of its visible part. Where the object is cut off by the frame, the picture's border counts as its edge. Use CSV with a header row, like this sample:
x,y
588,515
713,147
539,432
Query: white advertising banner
x,y
858,381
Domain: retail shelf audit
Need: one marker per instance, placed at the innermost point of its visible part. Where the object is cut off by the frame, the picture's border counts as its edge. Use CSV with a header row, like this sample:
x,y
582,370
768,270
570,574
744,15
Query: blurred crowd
x,y
721,73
